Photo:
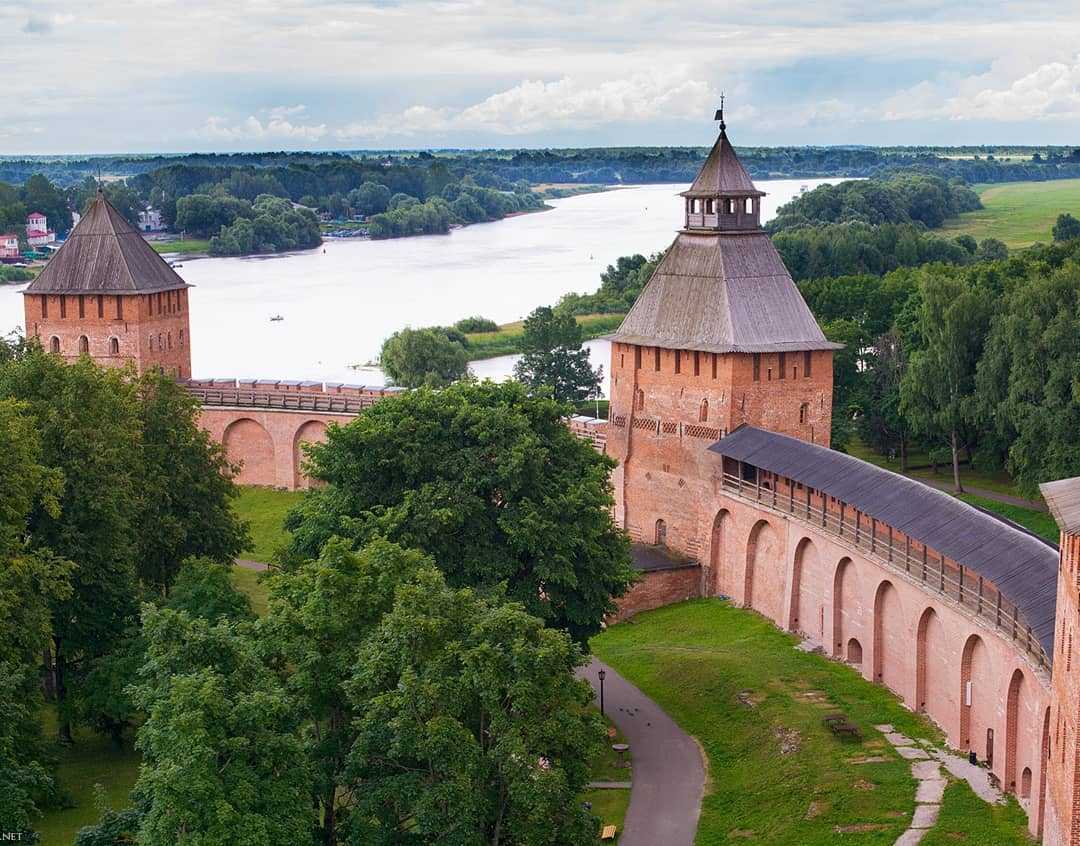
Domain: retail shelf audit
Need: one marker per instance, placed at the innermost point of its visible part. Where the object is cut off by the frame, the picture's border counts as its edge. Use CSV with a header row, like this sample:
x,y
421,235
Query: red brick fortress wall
x,y
658,588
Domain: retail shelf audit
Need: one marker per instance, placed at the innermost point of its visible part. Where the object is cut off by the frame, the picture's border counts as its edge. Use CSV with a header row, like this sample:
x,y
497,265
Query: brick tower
x,y
719,337
108,295
1060,821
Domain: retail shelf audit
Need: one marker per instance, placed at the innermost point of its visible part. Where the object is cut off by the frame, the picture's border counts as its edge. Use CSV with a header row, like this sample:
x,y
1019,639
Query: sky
x,y
108,76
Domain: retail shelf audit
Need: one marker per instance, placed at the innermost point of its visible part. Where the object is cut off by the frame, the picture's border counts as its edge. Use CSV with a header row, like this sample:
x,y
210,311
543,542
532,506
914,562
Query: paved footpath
x,y
669,775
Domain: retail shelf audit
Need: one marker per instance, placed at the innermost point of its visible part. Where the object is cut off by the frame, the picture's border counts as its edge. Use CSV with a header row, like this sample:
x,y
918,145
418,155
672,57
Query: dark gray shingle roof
x,y
1063,499
1023,566
105,254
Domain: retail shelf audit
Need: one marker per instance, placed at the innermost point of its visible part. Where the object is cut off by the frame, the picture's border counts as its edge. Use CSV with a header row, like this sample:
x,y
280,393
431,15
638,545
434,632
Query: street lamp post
x,y
601,675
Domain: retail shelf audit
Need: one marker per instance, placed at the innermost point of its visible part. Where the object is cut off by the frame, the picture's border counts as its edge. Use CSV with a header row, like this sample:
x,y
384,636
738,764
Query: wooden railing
x,y
243,398
875,540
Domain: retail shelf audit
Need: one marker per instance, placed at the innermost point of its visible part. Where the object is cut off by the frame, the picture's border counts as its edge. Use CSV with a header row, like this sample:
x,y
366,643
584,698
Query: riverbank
x,y
507,340
1018,213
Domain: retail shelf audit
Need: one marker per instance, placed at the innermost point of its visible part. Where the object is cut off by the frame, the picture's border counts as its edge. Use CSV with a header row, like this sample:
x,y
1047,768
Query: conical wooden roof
x,y
723,174
722,291
105,254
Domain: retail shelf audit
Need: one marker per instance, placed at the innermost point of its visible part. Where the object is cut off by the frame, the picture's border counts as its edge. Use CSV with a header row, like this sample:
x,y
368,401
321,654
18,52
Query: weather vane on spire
x,y
720,113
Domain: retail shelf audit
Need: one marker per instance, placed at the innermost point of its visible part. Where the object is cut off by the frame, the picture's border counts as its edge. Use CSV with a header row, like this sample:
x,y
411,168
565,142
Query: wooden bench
x,y
608,833
849,729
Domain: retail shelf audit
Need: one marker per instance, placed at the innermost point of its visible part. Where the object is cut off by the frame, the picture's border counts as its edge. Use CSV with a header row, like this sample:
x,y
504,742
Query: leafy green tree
x,y
938,386
38,194
552,357
488,481
204,588
88,422
1066,228
849,377
416,357
991,249
30,583
222,757
1027,377
186,486
319,615
370,198
476,324
472,727
881,423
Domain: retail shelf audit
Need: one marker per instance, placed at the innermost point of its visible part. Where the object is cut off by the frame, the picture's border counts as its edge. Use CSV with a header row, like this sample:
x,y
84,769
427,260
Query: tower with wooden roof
x,y
720,336
107,294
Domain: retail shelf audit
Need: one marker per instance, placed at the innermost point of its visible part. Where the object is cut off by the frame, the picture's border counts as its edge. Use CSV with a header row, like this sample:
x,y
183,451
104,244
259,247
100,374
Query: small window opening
x,y
782,365
637,358
84,345
806,359
757,367
678,361
54,344
114,346
703,412
656,362
661,533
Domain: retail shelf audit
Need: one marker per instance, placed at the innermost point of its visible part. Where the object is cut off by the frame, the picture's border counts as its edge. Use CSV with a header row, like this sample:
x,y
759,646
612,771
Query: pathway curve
x,y
1007,499
669,774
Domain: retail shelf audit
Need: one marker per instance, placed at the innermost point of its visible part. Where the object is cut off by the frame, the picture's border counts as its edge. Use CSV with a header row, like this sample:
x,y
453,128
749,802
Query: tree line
x,y
412,679
972,363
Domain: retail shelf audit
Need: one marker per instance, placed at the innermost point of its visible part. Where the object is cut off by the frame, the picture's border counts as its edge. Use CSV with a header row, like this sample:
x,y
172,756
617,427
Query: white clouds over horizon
x,y
111,75
535,106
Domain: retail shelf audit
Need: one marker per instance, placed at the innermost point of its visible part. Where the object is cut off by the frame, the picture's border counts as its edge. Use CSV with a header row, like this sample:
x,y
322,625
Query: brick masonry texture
x,y
145,330
658,588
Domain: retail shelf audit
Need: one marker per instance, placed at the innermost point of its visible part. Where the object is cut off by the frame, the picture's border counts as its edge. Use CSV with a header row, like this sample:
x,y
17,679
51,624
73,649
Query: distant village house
x,y
9,246
150,220
38,233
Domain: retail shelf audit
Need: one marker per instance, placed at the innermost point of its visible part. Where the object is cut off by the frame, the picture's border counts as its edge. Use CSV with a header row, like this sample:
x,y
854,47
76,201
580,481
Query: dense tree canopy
x,y
488,481
552,359
472,728
423,357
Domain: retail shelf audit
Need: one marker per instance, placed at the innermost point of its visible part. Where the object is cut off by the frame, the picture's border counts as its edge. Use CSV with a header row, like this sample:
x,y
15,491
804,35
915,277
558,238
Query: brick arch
x,y
1012,720
843,578
889,655
975,668
311,432
806,613
763,585
926,659
721,582
248,444
1044,765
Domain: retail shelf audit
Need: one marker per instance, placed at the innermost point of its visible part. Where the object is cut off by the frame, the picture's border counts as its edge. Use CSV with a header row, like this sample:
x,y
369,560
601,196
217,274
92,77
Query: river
x,y
340,301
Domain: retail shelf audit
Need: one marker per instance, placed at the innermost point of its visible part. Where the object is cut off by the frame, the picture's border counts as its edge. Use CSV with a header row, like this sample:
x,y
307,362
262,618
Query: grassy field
x,y
265,510
1038,522
755,704
191,245
1018,213
999,482
507,341
610,806
92,760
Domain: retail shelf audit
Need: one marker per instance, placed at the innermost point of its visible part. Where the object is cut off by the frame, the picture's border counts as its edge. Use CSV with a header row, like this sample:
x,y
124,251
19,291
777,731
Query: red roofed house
x,y
37,230
9,245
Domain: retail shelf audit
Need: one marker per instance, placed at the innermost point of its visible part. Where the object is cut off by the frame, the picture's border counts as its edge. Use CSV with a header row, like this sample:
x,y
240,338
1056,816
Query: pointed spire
x,y
720,115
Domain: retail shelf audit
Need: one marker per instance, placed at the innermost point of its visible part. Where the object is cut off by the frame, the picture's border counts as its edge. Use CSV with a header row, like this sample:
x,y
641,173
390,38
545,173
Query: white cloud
x,y
39,25
567,103
275,126
1050,92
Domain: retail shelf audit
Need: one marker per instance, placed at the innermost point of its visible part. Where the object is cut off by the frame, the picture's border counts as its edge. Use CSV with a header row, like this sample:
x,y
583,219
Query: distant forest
x,y
601,165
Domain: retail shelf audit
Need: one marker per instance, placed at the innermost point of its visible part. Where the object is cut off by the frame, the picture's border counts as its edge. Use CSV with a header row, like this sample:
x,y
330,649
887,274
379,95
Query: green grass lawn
x,y
1018,213
610,806
736,683
965,818
190,245
265,510
1038,522
507,341
999,482
92,760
